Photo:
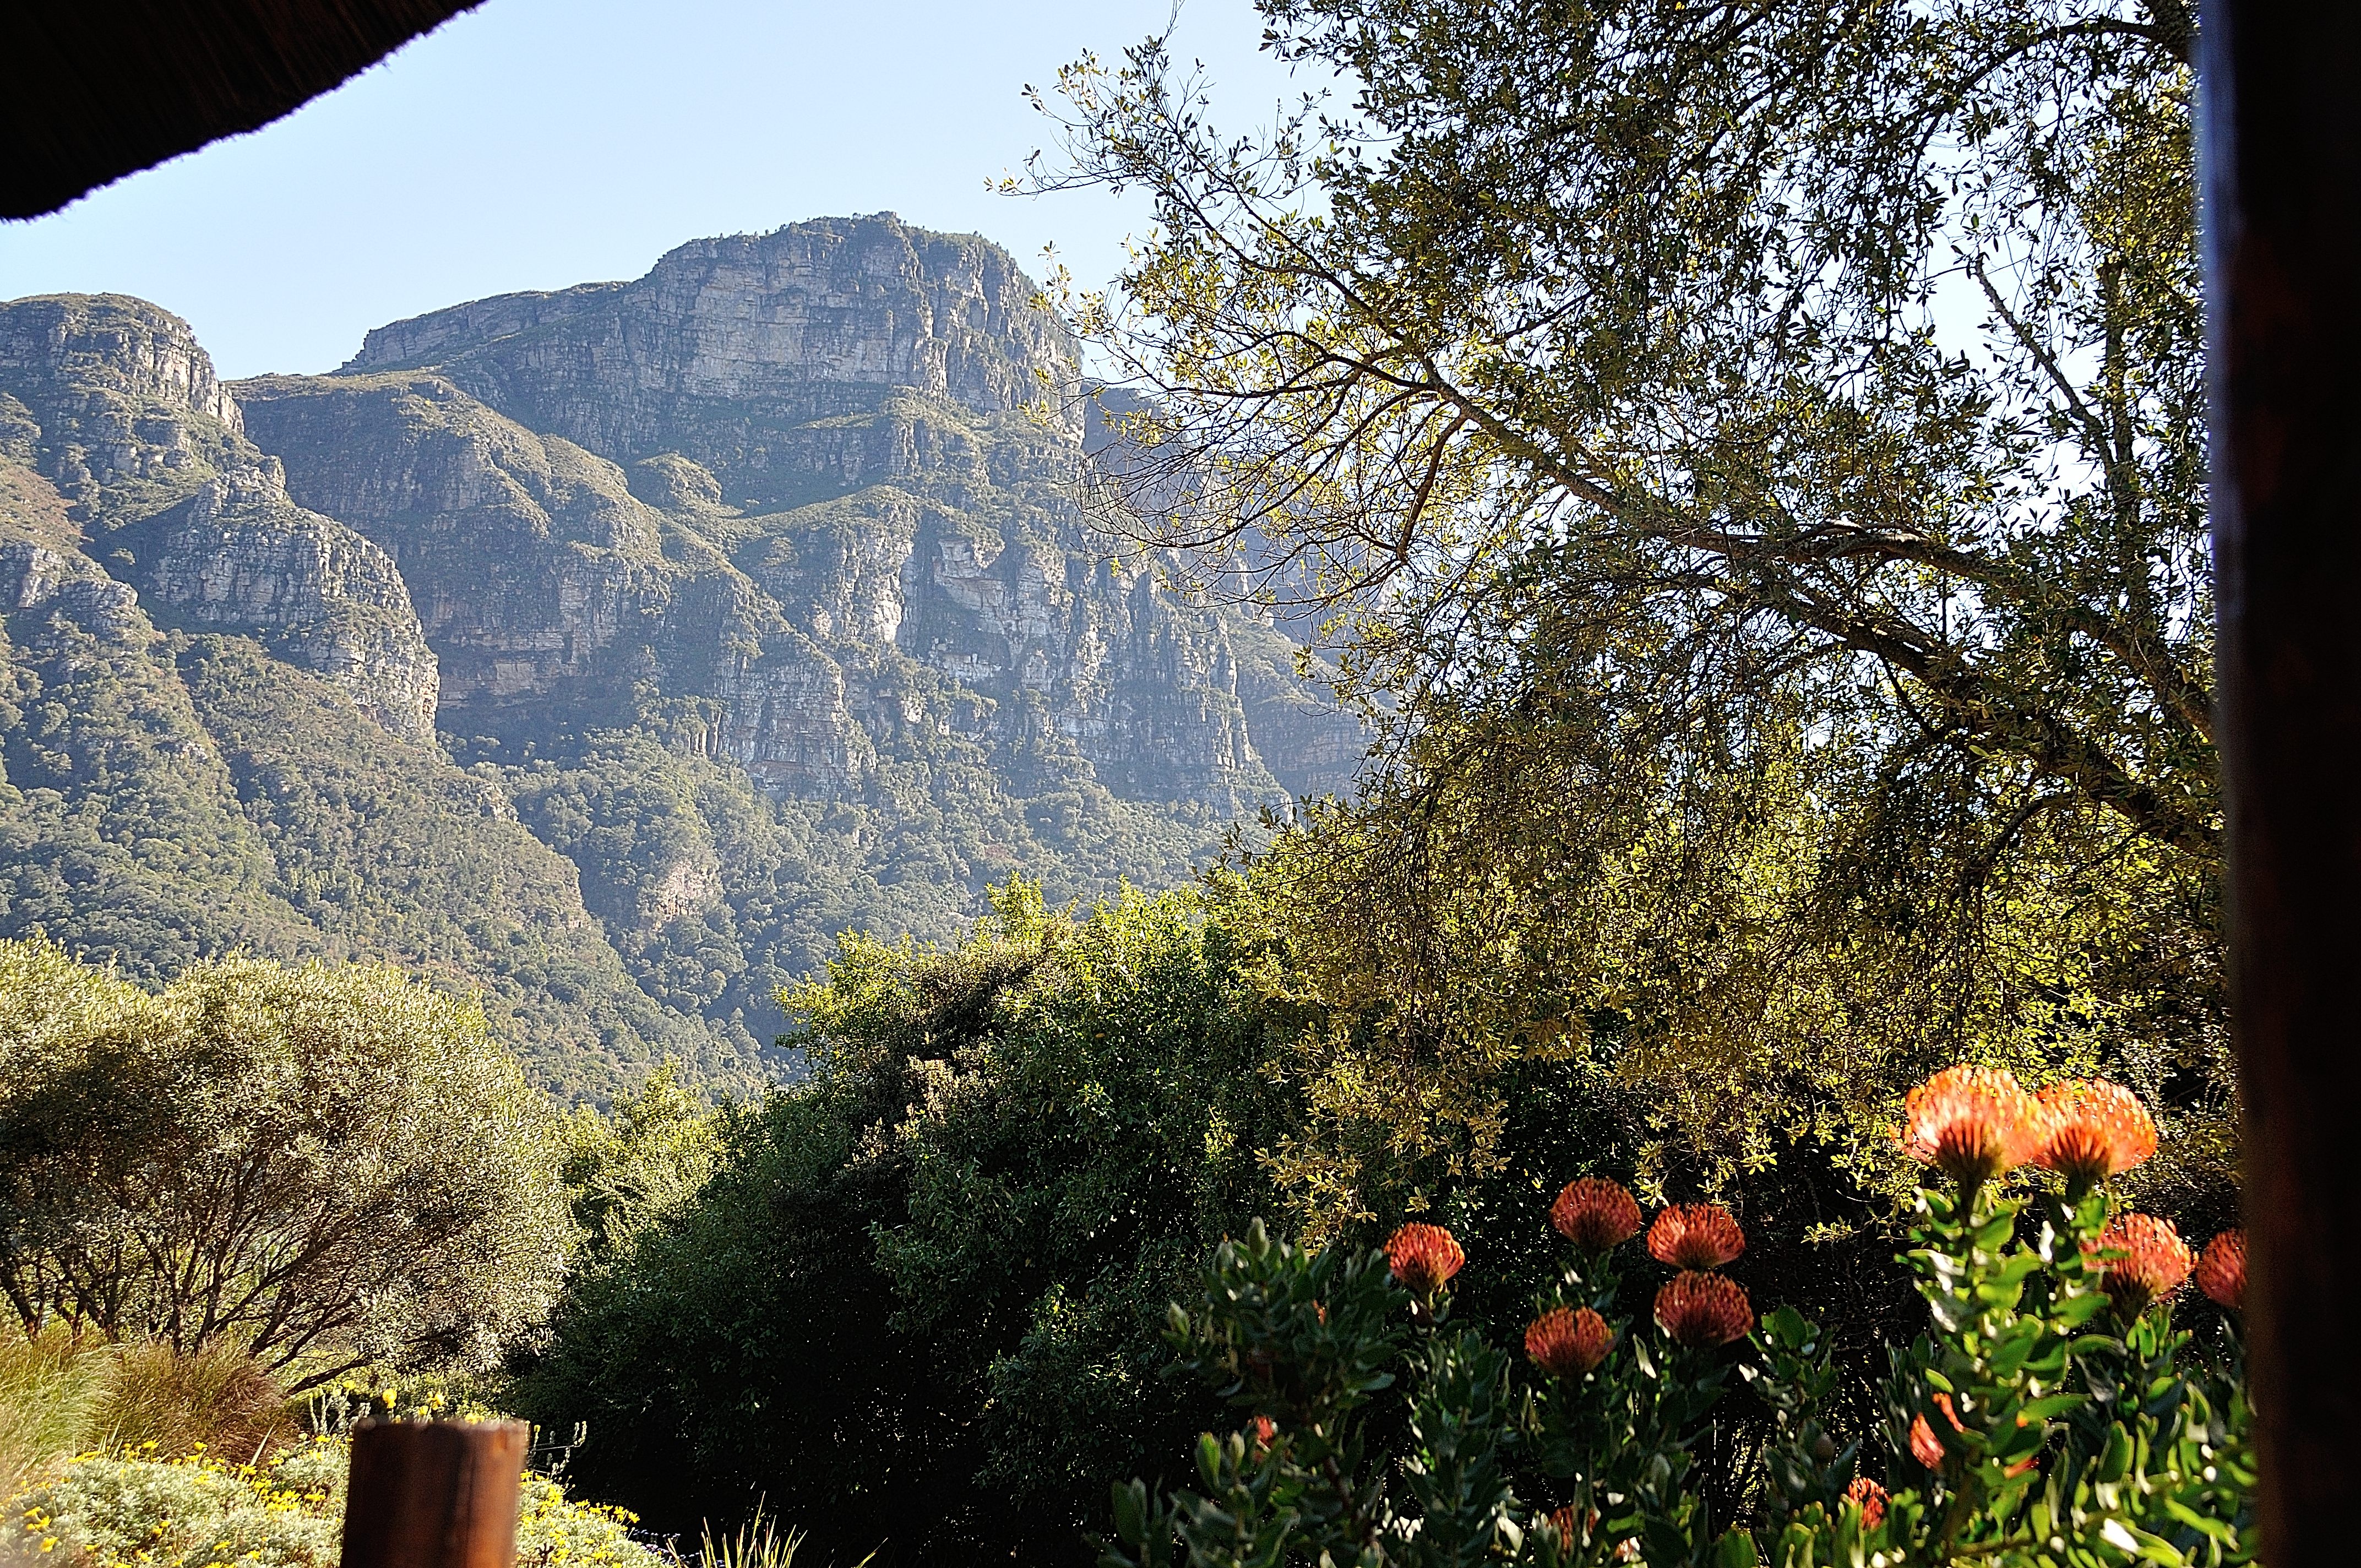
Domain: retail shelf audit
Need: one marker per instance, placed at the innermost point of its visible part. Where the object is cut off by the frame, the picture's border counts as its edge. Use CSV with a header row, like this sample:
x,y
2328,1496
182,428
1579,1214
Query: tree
x,y
321,1165
918,1300
1752,457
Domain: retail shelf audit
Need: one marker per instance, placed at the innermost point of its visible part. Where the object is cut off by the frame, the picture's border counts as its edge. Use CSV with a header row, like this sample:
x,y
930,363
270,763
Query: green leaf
x,y
1735,1549
1130,1500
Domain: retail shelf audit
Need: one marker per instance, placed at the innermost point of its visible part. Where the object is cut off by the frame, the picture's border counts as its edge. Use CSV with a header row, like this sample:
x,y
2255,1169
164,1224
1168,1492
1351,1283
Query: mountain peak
x,y
764,332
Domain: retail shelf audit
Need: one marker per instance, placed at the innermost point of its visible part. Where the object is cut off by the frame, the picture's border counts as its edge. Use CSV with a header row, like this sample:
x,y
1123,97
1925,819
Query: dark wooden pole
x,y
2280,150
433,1495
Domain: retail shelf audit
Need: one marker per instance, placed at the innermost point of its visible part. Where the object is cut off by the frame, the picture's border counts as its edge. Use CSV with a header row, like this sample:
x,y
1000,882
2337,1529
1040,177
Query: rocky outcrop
x,y
113,400
38,581
729,348
526,556
239,555
118,388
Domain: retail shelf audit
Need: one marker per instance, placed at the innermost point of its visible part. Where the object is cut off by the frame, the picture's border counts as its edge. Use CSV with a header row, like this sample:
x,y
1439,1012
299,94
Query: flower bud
x,y
1594,1213
1696,1236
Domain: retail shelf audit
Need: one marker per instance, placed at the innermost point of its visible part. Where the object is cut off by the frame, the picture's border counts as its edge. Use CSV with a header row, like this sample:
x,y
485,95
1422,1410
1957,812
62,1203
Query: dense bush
x,y
917,1301
317,1167
2049,1414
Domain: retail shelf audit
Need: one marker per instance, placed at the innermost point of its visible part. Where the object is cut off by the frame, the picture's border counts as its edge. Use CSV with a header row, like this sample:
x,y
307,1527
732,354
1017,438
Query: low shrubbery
x,y
137,1508
2051,1413
61,1396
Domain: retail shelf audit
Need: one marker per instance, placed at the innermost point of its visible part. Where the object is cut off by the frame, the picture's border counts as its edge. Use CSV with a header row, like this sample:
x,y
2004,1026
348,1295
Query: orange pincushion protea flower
x,y
2092,1129
1423,1258
1703,1310
1971,1123
1924,1446
1696,1236
1568,1344
1596,1213
2155,1262
1265,1429
1871,1498
2221,1272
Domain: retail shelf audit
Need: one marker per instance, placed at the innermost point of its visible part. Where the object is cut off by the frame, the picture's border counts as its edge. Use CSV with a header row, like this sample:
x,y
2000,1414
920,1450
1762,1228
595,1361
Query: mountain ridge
x,y
754,589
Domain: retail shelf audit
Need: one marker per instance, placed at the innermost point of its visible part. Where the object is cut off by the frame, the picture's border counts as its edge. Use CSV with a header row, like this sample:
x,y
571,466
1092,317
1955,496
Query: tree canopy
x,y
321,1165
917,1301
1751,460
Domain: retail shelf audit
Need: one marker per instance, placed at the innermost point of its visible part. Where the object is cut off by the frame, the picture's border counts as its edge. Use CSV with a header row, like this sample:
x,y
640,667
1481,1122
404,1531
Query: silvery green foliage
x,y
323,1166
285,1512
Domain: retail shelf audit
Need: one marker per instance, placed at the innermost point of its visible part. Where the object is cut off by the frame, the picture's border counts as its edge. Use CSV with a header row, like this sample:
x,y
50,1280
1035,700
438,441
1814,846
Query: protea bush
x,y
2050,1414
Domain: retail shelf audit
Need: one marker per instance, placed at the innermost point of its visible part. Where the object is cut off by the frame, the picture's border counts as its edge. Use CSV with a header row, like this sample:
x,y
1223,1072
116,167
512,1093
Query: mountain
x,y
610,649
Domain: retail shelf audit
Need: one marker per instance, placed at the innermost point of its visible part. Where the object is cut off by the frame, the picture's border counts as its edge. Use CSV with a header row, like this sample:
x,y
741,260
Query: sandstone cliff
x,y
728,348
830,505
113,401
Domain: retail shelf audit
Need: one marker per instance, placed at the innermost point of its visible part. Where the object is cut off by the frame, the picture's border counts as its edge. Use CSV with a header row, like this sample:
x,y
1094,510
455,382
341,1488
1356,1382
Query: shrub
x,y
61,1397
215,1398
127,1509
47,1391
2051,1413
316,1166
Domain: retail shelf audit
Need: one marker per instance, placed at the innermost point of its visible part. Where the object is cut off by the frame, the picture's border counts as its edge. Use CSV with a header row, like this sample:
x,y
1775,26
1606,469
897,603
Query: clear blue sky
x,y
537,143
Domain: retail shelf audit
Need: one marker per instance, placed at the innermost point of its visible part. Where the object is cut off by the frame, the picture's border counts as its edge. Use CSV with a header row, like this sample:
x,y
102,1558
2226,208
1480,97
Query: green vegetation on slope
x,y
718,896
167,798
387,851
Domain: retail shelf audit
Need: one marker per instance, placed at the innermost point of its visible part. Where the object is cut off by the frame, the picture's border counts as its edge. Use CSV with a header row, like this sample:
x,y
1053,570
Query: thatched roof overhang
x,y
98,89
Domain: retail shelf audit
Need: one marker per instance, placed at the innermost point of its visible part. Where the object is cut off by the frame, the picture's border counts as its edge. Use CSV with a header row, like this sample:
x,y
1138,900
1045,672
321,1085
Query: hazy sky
x,y
533,144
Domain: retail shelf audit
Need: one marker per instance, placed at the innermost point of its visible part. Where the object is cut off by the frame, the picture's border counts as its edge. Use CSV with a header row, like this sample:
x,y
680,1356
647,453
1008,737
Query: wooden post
x,y
433,1495
2280,155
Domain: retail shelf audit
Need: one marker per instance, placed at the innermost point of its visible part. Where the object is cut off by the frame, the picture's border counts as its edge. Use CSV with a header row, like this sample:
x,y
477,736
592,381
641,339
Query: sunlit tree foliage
x,y
1750,458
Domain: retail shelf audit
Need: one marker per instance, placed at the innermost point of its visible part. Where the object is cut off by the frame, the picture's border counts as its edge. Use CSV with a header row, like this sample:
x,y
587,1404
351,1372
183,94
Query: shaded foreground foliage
x,y
916,1303
2046,1415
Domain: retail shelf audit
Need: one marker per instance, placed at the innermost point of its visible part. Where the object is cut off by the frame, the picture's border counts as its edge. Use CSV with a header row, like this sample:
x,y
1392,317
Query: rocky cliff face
x,y
239,555
729,349
797,476
113,401
119,387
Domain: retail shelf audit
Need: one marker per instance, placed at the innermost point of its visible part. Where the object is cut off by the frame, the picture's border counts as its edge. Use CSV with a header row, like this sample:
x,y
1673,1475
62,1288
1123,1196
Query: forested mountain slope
x,y
610,649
